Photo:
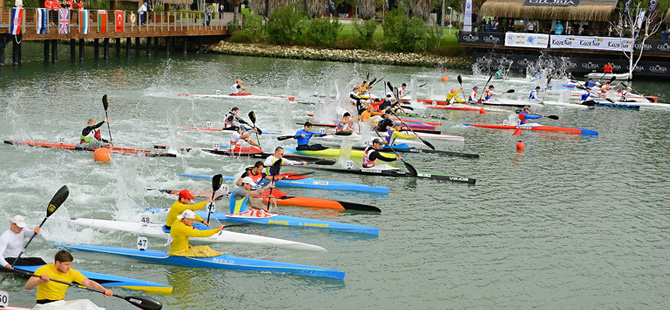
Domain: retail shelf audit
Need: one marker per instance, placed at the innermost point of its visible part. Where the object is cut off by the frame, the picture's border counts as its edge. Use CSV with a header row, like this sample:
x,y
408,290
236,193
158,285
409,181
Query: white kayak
x,y
219,95
156,230
608,76
77,304
512,102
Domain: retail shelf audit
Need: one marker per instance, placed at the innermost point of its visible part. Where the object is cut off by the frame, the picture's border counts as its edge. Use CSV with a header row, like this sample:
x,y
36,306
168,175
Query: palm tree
x,y
315,8
274,5
366,8
421,8
259,6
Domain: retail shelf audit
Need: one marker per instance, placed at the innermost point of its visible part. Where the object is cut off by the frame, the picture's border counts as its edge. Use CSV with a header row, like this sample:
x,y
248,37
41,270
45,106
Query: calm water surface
x,y
572,222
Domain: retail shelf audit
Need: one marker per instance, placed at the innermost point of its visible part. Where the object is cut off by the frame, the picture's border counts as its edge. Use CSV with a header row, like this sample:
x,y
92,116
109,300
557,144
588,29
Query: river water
x,y
571,222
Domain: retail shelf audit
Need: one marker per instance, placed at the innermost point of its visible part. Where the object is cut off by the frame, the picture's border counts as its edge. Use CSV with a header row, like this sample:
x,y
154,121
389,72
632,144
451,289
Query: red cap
x,y
185,194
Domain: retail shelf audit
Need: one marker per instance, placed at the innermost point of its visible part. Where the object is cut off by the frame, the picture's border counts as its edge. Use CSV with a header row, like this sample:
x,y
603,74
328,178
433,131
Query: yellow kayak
x,y
333,153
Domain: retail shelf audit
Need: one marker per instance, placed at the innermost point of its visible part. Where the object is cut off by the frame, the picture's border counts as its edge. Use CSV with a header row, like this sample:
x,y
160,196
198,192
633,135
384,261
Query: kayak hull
x,y
396,173
538,128
156,230
331,152
238,96
70,146
224,261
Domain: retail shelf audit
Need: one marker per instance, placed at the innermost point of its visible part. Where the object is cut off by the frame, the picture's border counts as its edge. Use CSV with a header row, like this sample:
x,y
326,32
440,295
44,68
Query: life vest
x,y
236,88
533,95
401,93
367,163
488,94
268,168
522,117
473,95
93,134
256,177
227,122
624,95
237,206
340,126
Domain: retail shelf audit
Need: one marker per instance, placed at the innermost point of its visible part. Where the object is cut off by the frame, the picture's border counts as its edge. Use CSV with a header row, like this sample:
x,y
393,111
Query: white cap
x,y
19,221
189,214
249,181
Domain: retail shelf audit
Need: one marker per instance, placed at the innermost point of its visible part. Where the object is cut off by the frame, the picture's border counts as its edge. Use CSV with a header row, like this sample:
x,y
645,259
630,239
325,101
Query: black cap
x,y
346,114
404,84
308,124
235,109
378,141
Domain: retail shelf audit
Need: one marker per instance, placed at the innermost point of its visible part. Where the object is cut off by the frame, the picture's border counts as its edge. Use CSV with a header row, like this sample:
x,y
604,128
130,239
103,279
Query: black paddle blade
x,y
143,302
428,144
105,103
372,82
57,200
326,162
555,117
343,133
276,167
358,207
460,79
252,117
217,180
411,169
613,78
510,91
352,96
282,138
390,85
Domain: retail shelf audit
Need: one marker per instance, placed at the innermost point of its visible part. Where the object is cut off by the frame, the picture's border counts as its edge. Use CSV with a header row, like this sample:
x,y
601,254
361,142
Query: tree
x,y
315,8
636,25
367,9
421,8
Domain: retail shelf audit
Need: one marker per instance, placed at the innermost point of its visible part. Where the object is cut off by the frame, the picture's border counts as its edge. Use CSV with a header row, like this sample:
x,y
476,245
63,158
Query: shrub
x,y
252,31
364,31
405,35
286,25
321,31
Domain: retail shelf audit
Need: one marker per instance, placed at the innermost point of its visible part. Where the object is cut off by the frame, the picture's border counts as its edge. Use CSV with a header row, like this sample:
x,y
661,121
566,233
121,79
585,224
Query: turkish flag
x,y
119,20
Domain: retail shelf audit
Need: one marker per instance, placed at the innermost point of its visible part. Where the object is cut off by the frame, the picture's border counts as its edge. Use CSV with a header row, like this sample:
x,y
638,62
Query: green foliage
x,y
321,31
405,35
286,25
253,30
363,32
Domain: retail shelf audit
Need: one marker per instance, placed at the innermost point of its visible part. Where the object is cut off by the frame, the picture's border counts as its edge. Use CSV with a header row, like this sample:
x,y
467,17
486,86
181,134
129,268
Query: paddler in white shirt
x,y
473,95
534,95
238,88
279,154
402,91
11,244
240,135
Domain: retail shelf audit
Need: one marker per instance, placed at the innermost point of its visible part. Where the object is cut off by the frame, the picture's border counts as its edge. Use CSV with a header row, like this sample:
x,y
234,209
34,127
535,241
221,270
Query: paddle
x,y
428,144
282,138
422,85
105,104
217,180
554,117
238,225
56,201
252,118
510,91
409,167
274,172
487,84
460,82
142,302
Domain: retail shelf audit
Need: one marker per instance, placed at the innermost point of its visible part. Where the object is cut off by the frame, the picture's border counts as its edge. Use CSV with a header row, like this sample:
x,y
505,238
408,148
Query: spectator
x,y
531,26
142,12
208,15
221,10
558,28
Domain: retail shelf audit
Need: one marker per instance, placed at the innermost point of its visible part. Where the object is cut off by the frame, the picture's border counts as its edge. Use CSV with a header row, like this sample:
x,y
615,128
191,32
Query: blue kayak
x,y
288,221
224,261
309,183
116,281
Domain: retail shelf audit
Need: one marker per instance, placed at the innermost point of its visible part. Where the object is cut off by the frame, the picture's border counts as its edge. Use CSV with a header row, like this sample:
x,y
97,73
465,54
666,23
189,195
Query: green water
x,y
572,222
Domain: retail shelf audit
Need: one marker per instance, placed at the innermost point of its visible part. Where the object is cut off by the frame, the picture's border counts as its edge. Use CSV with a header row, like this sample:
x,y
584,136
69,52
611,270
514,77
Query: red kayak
x,y
538,127
417,128
69,146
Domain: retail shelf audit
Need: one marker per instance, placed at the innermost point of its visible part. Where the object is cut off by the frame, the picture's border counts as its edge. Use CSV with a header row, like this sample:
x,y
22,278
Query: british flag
x,y
63,21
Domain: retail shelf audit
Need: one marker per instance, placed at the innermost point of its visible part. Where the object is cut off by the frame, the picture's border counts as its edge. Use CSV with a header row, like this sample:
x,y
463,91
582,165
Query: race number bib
x,y
208,124
145,219
4,299
142,243
349,164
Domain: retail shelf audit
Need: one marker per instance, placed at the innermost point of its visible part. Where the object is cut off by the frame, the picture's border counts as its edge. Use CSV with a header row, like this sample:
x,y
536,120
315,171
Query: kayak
x,y
512,103
389,171
331,152
309,183
434,124
608,76
69,146
245,151
229,130
539,128
417,128
443,105
157,230
224,261
283,199
116,281
404,148
426,136
615,104
238,96
77,304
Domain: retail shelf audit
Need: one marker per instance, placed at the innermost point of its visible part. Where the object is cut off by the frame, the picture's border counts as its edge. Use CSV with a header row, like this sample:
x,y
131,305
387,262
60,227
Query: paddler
x,y
91,137
61,270
240,135
11,244
182,229
451,96
590,83
402,91
256,174
525,115
386,103
240,196
184,203
346,123
394,133
386,121
238,88
488,94
625,94
303,136
372,154
534,95
279,154
231,121
473,95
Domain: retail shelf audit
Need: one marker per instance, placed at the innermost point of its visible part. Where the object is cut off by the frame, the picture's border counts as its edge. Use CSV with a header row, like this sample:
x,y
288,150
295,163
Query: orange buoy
x,y
102,154
445,78
482,111
291,98
517,132
520,146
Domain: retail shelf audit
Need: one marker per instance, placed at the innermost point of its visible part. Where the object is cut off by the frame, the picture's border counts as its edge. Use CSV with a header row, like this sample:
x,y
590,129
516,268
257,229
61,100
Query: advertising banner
x,y
481,38
467,23
591,43
528,40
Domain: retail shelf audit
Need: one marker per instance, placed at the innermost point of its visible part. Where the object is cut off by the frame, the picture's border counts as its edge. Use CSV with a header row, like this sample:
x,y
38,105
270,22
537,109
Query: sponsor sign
x,y
529,40
467,23
591,43
480,38
551,3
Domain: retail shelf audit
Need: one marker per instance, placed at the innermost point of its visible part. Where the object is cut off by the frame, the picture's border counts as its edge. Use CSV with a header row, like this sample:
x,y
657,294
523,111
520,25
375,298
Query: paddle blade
x,y
390,85
510,91
276,167
143,302
460,79
343,133
422,85
610,100
252,117
352,96
372,82
613,78
555,117
282,138
57,200
105,103
411,169
217,180
428,144
326,162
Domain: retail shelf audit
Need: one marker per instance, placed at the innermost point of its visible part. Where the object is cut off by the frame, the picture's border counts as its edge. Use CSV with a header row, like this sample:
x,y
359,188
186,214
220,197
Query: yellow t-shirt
x,y
178,208
180,232
54,290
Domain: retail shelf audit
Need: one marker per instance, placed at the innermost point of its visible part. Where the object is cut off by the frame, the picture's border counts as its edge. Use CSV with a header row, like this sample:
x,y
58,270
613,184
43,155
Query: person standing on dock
x,y
608,68
142,12
91,137
208,15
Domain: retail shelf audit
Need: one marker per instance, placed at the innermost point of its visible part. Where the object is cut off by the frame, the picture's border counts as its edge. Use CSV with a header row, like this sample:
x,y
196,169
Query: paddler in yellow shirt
x,y
394,133
182,204
182,229
48,291
451,97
